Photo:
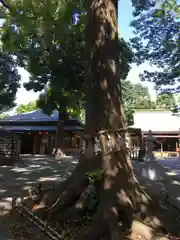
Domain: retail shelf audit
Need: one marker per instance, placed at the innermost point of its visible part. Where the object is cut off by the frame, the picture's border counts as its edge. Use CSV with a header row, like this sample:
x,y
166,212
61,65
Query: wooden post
x,y
18,146
161,148
12,147
34,147
49,143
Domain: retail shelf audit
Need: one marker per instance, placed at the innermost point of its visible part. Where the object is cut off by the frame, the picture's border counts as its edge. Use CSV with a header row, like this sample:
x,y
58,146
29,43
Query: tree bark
x,y
59,142
71,189
75,185
121,194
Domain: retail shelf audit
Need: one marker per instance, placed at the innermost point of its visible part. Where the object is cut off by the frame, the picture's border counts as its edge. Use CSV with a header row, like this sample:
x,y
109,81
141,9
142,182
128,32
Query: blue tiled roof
x,y
35,116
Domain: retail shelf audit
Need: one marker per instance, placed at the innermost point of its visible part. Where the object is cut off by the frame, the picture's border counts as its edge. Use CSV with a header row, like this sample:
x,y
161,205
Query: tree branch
x,y
4,4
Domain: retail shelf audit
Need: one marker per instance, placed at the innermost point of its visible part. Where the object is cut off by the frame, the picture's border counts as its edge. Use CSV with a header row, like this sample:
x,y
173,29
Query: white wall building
x,y
165,127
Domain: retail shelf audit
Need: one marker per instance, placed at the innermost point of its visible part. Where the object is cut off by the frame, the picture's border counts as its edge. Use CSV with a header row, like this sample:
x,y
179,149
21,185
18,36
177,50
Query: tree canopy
x,y
52,49
23,108
9,81
135,96
4,115
50,46
157,34
166,101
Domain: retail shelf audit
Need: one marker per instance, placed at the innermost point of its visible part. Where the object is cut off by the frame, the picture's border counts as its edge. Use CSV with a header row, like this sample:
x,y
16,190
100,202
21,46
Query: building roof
x,y
29,128
156,120
36,116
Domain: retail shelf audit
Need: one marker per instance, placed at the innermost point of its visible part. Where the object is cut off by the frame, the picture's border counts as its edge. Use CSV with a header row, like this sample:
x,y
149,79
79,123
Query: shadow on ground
x,y
29,171
166,189
167,177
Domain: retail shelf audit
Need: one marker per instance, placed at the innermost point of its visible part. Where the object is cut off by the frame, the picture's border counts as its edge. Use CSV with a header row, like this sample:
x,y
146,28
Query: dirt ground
x,y
30,170
16,178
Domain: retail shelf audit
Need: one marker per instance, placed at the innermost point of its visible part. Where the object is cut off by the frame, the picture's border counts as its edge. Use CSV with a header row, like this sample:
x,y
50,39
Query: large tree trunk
x,y
121,194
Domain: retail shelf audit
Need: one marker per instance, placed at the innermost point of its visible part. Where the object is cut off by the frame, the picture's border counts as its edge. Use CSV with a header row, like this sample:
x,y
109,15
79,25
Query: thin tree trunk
x,y
59,143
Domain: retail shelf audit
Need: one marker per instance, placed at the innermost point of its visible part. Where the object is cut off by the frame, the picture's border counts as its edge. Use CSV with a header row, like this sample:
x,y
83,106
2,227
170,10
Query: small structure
x,y
150,146
8,148
164,127
36,132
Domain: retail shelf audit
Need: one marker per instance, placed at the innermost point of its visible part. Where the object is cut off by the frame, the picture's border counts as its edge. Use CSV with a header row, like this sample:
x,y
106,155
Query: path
x,y
171,167
25,173
172,164
31,170
168,177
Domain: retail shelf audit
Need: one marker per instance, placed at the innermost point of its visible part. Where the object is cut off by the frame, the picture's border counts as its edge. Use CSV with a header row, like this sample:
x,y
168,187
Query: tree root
x,y
120,199
76,184
111,226
71,189
97,229
79,209
114,217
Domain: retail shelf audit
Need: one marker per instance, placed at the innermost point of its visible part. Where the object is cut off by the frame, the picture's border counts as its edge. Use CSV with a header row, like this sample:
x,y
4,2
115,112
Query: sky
x,y
124,19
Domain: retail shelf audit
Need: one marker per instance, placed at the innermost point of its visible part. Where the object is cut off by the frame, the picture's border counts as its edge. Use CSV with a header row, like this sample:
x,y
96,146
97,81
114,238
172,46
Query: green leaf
x,y
159,13
156,42
23,108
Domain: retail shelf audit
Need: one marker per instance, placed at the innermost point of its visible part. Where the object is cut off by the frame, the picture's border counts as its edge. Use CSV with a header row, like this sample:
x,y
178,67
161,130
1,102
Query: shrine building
x,y
36,132
165,129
